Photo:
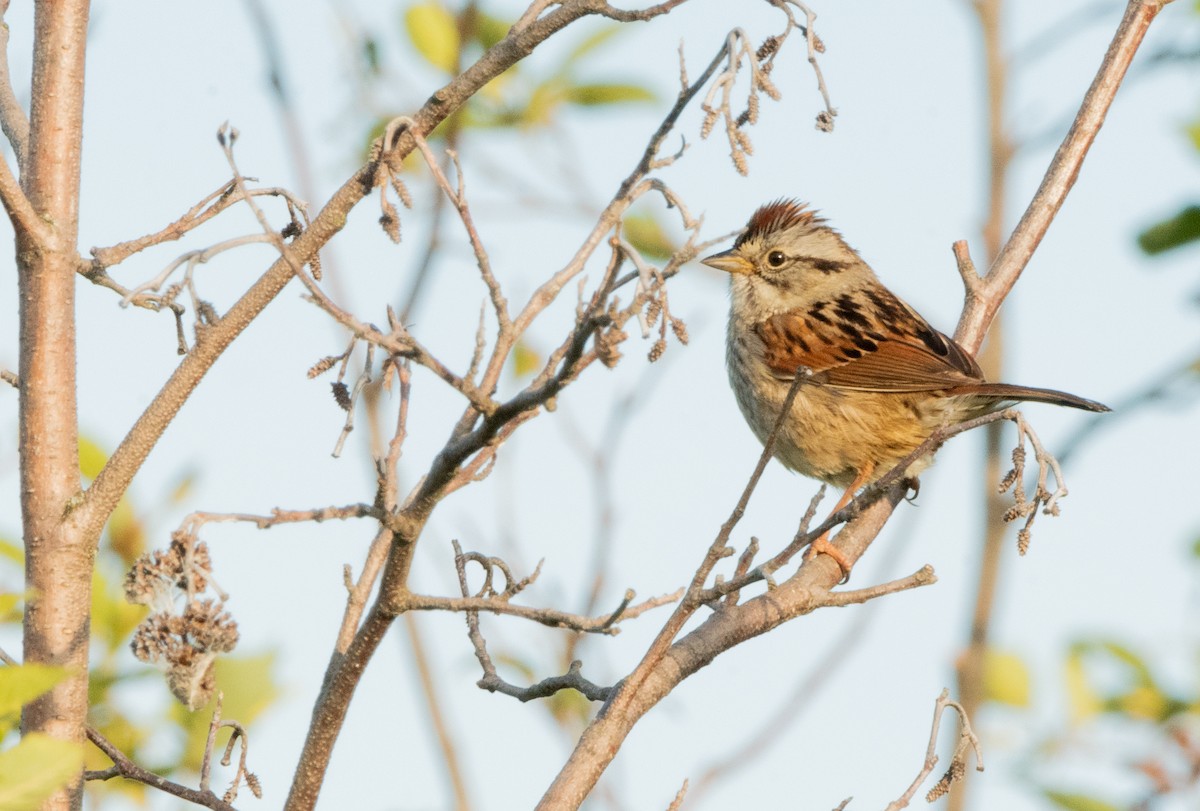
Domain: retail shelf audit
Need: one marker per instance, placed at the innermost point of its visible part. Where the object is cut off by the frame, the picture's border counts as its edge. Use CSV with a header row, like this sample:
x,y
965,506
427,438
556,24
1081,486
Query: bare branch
x,y
124,767
958,762
10,378
1060,176
13,120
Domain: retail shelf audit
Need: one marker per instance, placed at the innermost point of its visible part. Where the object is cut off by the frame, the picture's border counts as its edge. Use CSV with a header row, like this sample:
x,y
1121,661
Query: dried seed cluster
x,y
186,641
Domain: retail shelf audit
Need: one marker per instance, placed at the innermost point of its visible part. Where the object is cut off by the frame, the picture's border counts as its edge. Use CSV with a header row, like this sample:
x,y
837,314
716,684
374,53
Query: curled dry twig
x,y
967,742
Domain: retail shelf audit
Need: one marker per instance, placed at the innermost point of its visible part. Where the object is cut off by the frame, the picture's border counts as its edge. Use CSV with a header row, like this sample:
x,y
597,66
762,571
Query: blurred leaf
x,y
113,617
249,687
20,684
517,664
591,43
434,33
12,551
489,30
594,95
1084,701
183,488
8,607
1179,230
646,233
1193,132
1005,679
126,533
525,360
1078,802
91,458
1135,663
570,708
544,100
1145,702
370,56
34,769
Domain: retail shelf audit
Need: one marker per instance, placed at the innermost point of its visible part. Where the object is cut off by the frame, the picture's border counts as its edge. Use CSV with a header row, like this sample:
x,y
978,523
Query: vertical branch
x,y
58,562
969,667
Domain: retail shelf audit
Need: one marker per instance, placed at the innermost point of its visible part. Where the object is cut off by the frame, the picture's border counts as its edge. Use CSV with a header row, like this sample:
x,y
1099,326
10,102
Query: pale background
x,y
902,176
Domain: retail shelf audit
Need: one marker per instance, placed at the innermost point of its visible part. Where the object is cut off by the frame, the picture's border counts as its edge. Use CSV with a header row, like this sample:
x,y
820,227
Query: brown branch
x,y
192,523
550,617
348,663
58,558
124,767
11,378
1060,176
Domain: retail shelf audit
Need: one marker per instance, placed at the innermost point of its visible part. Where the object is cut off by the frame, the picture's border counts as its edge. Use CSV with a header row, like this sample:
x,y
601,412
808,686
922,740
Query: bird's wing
x,y
879,345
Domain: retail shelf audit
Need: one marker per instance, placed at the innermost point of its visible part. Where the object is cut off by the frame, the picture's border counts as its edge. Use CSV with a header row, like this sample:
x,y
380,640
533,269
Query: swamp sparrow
x,y
880,379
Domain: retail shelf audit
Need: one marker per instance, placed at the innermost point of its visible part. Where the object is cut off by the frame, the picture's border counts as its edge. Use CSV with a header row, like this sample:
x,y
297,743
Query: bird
x,y
878,379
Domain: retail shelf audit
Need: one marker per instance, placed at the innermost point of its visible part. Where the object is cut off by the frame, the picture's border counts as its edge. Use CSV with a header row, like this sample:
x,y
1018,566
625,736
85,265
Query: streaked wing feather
x,y
899,354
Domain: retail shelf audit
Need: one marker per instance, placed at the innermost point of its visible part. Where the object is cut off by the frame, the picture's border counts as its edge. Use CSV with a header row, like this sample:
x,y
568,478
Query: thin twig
x,y
124,767
13,120
958,761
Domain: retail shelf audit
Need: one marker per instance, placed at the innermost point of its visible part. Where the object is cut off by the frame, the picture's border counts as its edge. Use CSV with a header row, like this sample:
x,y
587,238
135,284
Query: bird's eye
x,y
776,259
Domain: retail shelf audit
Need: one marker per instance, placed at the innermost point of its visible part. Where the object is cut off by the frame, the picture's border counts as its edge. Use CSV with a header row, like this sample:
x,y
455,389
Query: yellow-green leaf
x,y
249,687
8,606
489,30
646,233
570,708
20,684
12,551
1144,702
113,617
92,458
1084,701
594,95
34,769
591,43
1078,802
1005,679
526,360
434,34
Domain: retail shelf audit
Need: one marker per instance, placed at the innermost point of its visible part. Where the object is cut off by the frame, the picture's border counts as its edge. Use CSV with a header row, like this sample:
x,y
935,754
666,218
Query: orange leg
x,y
822,546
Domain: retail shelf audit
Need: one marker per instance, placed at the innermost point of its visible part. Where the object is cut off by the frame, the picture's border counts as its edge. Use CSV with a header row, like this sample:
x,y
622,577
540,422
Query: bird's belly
x,y
832,434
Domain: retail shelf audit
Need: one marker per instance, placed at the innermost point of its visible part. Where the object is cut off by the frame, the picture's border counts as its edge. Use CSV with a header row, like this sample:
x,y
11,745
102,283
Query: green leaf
x,y
1005,679
594,95
34,769
369,49
20,684
1078,802
1179,230
646,233
434,33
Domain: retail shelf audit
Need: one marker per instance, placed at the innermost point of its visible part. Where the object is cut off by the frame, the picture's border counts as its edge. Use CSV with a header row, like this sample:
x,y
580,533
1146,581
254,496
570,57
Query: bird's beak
x,y
728,261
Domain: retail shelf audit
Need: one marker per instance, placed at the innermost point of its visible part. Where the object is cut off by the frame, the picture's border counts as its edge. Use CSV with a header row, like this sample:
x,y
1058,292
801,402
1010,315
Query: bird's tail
x,y
1006,391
